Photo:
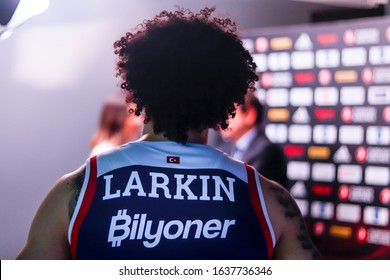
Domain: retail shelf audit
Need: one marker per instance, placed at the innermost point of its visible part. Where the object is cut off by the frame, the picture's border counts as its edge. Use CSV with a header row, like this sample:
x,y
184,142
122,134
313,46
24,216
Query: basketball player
x,y
169,195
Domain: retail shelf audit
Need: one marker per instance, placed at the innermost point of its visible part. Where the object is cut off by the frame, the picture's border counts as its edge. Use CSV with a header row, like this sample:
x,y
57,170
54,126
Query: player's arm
x,y
292,238
48,235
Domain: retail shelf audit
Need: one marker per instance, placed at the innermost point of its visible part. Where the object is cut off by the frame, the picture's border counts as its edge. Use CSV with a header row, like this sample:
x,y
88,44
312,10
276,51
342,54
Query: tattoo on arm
x,y
75,186
306,242
292,211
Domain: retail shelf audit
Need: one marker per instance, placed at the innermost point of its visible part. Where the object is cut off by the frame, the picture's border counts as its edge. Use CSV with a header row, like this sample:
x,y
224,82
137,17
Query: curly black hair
x,y
186,70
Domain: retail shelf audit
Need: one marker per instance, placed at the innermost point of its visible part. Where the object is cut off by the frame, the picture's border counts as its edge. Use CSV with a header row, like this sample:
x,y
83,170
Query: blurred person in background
x,y
116,126
170,195
245,140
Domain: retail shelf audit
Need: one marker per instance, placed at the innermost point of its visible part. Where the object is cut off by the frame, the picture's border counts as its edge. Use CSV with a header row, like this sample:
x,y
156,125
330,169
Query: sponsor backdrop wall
x,y
327,94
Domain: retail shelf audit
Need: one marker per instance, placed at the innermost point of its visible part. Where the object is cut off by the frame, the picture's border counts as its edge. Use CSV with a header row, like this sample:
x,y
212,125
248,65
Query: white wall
x,y
55,72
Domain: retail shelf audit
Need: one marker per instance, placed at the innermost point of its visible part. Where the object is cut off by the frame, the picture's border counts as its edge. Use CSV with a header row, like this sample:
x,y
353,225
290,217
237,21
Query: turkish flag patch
x,y
171,159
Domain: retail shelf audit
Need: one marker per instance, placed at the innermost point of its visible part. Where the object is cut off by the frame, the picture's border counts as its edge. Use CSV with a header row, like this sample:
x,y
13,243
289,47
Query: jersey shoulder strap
x,y
259,206
84,201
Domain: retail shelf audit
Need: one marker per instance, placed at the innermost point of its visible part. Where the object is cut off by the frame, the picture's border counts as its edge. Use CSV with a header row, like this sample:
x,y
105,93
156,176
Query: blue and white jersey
x,y
165,200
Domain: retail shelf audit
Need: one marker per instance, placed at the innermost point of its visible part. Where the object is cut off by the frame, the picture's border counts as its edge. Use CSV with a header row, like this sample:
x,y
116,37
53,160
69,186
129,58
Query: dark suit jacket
x,y
266,157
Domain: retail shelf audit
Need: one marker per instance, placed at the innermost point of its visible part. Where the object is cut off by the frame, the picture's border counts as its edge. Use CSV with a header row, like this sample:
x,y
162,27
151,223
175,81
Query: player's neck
x,y
193,136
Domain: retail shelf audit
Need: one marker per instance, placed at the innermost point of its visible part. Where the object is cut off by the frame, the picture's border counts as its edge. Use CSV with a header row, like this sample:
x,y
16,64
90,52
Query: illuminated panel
x,y
279,61
354,56
325,134
319,228
302,96
378,216
361,235
304,78
344,192
377,175
301,115
381,75
276,79
386,114
378,135
327,39
299,133
378,95
352,95
316,152
292,151
361,194
324,114
378,237
281,43
278,115
350,174
340,231
277,133
322,190
349,213
302,60
379,55
298,189
297,170
377,155
327,58
385,196
351,134
261,44
322,210
342,155
326,96
346,76
323,172
303,42
277,97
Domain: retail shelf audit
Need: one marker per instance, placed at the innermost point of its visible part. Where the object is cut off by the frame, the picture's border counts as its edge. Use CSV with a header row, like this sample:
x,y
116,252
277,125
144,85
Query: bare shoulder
x,y
292,238
74,182
67,189
47,238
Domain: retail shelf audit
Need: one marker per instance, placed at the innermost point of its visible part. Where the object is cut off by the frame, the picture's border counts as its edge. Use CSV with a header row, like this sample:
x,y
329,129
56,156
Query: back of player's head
x,y
186,71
